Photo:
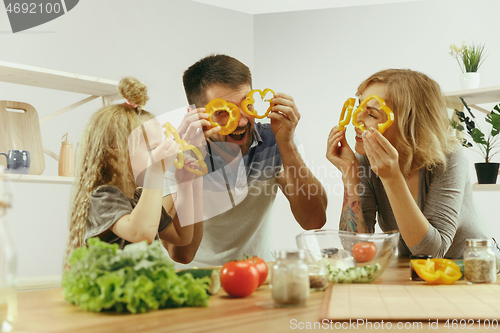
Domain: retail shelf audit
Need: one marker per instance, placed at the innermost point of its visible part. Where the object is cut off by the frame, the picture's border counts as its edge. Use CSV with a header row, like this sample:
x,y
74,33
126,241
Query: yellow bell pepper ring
x,y
437,271
249,100
199,161
344,120
218,104
170,131
383,106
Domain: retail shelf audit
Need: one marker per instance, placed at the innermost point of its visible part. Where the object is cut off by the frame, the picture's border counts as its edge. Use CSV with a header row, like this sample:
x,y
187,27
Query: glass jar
x,y
290,279
480,261
8,293
318,276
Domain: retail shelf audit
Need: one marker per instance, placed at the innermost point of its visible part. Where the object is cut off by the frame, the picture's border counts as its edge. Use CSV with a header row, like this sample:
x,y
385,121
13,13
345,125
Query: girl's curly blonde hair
x,y
103,155
421,118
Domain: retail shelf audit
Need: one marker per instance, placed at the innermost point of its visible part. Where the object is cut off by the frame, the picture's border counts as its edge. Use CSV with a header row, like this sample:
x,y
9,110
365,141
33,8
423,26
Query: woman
x,y
414,175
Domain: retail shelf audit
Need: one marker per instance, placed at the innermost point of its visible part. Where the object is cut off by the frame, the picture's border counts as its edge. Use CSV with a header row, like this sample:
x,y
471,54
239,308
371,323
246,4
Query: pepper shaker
x,y
66,158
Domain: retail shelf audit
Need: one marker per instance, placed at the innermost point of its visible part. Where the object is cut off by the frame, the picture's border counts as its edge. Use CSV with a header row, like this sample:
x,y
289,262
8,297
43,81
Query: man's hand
x,y
284,117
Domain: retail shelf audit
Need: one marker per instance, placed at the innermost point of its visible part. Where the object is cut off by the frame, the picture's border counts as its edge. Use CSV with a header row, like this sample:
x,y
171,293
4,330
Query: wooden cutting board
x,y
411,302
20,129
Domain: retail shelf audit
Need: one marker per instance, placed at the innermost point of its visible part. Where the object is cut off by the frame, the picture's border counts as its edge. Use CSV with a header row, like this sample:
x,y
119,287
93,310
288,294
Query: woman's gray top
x,y
444,197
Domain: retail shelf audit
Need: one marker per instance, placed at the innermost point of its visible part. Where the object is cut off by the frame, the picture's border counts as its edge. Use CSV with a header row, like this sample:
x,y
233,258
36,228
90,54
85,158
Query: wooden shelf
x,y
63,81
39,179
485,187
477,96
52,79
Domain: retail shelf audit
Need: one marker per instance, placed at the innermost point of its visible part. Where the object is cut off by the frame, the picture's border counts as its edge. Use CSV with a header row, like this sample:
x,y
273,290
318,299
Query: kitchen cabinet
x,y
473,97
63,81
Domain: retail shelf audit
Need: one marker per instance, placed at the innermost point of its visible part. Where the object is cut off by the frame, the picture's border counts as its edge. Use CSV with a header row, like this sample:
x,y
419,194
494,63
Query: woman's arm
x,y
341,155
384,159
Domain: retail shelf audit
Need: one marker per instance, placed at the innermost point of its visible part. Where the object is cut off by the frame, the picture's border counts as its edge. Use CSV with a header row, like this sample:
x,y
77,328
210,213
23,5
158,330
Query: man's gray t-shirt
x,y
444,197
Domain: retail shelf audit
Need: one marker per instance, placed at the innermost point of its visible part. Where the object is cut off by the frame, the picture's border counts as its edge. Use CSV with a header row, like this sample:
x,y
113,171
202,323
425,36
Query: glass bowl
x,y
350,257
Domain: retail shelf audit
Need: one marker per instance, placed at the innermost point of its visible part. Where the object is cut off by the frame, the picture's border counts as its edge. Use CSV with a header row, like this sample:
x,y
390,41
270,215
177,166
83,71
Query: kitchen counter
x,y
46,311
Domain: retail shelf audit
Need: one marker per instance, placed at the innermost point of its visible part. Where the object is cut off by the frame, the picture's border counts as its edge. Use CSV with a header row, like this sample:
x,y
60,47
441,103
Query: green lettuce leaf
x,y
137,279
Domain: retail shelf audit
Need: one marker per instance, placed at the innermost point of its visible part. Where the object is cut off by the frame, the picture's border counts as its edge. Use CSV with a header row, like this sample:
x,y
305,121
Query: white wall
x,y
320,57
153,40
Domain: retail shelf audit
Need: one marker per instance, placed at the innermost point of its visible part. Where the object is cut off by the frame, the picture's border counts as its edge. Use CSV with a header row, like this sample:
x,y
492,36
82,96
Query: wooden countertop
x,y
46,311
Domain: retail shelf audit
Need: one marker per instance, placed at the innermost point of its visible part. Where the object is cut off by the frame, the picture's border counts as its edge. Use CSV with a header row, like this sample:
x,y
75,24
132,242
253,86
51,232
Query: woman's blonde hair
x,y
421,118
103,155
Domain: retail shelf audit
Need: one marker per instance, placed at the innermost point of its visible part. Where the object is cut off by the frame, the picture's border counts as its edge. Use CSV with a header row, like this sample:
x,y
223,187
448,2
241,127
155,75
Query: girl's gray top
x,y
444,197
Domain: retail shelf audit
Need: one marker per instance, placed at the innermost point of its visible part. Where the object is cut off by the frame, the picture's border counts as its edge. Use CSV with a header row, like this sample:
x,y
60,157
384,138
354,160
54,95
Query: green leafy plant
x,y
469,57
138,278
487,144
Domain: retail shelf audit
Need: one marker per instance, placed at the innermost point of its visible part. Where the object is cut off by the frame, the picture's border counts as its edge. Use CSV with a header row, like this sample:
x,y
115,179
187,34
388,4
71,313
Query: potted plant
x,y
486,172
469,58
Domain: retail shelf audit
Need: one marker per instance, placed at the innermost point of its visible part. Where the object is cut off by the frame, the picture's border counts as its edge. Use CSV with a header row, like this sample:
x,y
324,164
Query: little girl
x,y
111,165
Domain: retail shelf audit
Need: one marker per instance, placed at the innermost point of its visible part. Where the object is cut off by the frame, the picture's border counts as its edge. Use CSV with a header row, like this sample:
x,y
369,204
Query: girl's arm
x,y
177,233
142,223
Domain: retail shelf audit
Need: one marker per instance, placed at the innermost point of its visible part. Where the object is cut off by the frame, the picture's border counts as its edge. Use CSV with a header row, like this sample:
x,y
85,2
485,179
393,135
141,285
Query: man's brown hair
x,y
215,69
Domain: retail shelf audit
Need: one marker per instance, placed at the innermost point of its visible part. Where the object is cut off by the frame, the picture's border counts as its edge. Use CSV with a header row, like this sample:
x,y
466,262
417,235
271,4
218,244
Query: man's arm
x,y
305,193
303,190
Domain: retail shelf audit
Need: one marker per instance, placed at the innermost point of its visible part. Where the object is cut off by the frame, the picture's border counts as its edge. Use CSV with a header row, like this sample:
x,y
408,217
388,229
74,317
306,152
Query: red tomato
x,y
239,278
261,266
364,251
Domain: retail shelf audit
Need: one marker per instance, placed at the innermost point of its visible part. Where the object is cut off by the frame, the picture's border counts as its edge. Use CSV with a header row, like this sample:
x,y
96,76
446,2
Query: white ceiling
x,y
279,6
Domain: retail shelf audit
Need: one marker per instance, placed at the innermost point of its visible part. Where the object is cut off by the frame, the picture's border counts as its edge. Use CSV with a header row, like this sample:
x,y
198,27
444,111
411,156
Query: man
x,y
237,213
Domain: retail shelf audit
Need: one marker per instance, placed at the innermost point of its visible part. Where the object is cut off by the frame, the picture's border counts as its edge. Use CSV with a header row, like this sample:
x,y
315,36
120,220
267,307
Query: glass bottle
x,y
480,261
290,279
8,293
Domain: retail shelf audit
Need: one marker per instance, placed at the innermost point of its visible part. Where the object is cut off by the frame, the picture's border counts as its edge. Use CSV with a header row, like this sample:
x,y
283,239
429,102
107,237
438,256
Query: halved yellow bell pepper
x,y
437,271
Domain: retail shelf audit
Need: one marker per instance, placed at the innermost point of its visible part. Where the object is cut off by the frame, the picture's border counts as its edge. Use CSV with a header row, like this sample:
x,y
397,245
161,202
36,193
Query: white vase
x,y
470,80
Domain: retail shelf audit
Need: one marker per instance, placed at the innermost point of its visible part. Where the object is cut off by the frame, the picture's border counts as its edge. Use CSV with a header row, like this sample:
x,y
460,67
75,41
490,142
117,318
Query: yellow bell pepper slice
x,y
218,104
344,120
383,106
199,161
250,100
170,131
437,271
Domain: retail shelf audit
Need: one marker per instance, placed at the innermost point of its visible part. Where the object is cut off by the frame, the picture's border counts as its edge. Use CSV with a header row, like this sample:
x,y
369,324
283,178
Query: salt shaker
x,y
480,261
290,279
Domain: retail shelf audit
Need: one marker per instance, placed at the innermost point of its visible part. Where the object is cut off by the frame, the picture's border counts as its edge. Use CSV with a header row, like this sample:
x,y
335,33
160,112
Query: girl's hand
x,y
182,175
383,157
166,151
340,154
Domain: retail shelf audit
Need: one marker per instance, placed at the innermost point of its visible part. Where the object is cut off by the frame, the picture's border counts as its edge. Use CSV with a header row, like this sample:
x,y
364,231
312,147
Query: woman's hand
x,y
383,157
340,154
